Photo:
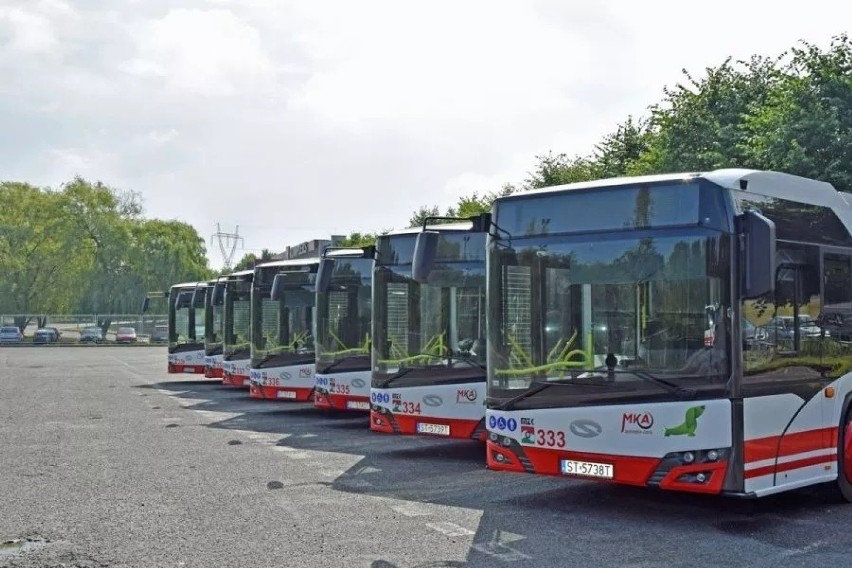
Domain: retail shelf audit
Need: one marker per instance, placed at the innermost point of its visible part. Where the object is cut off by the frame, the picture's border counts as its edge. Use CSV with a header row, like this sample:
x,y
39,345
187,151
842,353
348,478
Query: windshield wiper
x,y
337,362
537,388
679,391
392,378
472,362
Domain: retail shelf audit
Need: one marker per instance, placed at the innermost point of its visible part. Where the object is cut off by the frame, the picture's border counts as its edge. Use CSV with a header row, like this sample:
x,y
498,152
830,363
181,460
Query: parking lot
x,y
109,461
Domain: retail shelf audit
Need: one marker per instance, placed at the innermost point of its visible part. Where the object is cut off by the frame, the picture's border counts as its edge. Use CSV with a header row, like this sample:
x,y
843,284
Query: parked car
x,y
838,324
160,334
46,335
91,335
782,327
751,334
10,334
125,335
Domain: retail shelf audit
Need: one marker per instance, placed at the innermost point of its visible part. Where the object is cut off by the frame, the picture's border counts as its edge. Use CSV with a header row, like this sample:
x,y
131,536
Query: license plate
x,y
286,394
438,429
357,405
588,469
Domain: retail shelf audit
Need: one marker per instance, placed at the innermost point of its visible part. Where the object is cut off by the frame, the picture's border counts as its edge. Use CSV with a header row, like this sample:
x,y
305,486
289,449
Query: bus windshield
x,y
344,314
212,324
435,331
186,323
236,323
632,310
282,330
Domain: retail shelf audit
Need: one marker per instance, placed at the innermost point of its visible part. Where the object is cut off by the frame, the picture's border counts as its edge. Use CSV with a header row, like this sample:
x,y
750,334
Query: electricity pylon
x,y
227,244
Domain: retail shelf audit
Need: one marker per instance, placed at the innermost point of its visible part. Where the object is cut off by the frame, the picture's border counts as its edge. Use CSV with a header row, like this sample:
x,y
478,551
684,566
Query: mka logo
x,y
637,423
465,396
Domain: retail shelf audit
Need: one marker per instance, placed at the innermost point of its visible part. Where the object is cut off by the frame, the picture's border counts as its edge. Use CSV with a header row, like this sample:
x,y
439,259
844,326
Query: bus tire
x,y
844,456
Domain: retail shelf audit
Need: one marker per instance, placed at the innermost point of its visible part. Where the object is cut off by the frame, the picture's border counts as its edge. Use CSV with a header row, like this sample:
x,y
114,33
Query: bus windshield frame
x,y
344,316
432,332
183,322
236,319
616,316
291,316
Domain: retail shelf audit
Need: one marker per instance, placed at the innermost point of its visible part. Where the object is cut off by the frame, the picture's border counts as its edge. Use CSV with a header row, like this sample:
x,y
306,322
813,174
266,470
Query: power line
x,y
227,244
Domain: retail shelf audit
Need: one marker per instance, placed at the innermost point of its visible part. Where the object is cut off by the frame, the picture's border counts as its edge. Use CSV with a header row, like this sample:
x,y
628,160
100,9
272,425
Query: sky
x,y
298,120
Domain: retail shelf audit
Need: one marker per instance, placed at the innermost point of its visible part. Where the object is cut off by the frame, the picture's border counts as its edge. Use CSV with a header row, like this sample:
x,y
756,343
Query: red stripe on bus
x,y
790,444
770,469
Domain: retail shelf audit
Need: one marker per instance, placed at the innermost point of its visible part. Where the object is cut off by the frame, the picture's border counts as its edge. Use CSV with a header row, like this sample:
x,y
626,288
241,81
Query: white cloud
x,y
295,119
201,52
469,61
34,28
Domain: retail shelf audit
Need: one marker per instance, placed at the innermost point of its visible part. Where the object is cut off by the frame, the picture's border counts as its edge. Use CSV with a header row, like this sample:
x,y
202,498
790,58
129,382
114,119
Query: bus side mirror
x,y
425,252
759,261
277,287
183,300
198,298
324,272
218,296
144,308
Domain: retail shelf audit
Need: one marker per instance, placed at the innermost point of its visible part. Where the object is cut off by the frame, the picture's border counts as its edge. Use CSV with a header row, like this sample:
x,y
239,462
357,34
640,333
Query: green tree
x,y
804,126
558,169
86,247
40,257
250,260
358,240
700,125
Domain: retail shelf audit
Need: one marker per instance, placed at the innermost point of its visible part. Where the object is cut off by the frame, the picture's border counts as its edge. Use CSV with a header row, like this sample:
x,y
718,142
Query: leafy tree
x,y
86,247
40,257
250,260
358,240
558,169
422,214
805,124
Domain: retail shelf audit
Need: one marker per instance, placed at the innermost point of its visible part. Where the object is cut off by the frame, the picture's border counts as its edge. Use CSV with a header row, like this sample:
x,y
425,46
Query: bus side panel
x,y
790,442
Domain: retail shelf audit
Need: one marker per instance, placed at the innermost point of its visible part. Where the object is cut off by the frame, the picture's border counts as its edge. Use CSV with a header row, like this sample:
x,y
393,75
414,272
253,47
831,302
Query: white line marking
x,y
450,529
412,510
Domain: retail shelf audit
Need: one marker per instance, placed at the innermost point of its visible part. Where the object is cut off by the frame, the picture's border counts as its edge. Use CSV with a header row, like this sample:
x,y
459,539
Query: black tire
x,y
844,476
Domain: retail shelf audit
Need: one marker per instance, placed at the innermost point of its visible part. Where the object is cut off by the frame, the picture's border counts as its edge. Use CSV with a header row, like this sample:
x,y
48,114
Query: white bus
x,y
283,297
622,342
186,330
235,292
344,315
429,333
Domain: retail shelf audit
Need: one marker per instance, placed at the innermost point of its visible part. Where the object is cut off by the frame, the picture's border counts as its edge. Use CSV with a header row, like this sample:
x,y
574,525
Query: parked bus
x,y
344,315
213,308
235,290
282,323
429,351
186,330
616,344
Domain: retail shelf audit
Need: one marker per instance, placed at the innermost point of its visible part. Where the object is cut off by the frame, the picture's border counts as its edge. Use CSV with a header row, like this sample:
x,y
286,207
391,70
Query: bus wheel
x,y
844,457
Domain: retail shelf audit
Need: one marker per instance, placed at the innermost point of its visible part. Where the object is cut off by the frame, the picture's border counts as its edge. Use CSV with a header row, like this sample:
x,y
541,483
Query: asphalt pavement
x,y
106,460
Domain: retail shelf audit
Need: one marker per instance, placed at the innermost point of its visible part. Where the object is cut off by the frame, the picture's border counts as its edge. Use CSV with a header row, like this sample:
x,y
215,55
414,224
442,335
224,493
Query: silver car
x,y
10,334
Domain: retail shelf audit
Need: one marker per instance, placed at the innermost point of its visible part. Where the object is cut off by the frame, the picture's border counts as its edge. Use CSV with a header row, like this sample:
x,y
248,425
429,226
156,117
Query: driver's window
x,y
782,334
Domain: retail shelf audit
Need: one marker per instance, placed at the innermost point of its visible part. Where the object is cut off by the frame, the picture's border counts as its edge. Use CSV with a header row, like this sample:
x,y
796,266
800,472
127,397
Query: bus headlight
x,y
688,457
712,455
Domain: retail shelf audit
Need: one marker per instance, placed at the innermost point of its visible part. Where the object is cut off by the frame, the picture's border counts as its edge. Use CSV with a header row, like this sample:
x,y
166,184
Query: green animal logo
x,y
689,424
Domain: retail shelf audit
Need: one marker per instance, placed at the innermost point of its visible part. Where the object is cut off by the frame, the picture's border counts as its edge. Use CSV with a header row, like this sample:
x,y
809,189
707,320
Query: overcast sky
x,y
295,120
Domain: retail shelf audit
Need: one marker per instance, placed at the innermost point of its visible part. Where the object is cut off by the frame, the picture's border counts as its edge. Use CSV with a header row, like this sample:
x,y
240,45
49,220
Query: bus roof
x,y
760,182
187,285
462,226
347,252
285,263
773,184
